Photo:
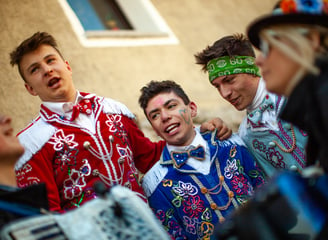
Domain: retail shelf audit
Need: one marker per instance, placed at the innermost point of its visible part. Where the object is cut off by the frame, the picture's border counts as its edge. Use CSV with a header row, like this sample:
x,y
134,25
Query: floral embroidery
x,y
85,169
275,158
185,189
207,215
126,154
233,152
175,227
206,229
190,224
28,182
21,172
177,201
309,6
193,206
239,184
59,139
116,126
114,122
194,201
66,156
304,6
259,145
22,176
160,214
230,169
288,6
73,186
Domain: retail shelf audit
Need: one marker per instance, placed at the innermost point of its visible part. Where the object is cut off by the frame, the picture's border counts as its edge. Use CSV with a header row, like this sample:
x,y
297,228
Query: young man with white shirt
x,y
275,144
199,179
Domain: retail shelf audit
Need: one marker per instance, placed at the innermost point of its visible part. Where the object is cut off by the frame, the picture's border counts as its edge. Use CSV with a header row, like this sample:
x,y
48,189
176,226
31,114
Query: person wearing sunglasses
x,y
275,144
293,40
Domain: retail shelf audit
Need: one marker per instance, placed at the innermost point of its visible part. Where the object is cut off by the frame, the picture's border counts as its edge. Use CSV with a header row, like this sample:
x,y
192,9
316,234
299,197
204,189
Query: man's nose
x,y
165,115
259,60
47,71
225,91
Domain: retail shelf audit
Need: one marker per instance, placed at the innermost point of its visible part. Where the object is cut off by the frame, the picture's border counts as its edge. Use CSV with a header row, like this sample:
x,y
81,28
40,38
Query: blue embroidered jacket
x,y
190,203
274,148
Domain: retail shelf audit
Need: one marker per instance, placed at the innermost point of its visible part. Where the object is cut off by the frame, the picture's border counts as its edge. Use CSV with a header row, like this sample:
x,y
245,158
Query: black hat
x,y
310,12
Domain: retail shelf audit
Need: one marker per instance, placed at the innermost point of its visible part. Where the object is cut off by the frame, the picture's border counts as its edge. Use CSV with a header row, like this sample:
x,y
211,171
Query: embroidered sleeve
x,y
146,153
39,170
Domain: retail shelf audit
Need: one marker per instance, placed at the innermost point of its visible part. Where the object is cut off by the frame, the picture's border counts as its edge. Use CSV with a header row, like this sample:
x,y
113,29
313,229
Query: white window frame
x,y
149,27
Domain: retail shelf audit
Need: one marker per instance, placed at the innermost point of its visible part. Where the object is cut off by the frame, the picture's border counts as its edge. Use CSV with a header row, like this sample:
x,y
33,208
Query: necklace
x,y
292,148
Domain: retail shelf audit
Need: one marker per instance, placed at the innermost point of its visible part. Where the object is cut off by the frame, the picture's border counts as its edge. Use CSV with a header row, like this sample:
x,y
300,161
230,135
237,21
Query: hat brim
x,y
266,21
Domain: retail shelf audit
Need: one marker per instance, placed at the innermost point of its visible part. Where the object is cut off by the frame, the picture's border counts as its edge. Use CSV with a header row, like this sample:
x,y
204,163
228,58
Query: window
x,y
117,23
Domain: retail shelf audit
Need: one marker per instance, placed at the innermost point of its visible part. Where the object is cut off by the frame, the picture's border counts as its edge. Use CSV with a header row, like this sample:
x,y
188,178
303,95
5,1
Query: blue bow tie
x,y
180,158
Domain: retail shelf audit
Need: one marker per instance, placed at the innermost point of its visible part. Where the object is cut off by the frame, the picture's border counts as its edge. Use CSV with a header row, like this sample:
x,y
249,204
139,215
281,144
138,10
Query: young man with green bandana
x,y
275,144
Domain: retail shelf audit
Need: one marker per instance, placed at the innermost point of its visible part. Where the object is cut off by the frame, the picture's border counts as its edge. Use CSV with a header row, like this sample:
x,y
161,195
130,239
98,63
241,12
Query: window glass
x,y
99,15
100,23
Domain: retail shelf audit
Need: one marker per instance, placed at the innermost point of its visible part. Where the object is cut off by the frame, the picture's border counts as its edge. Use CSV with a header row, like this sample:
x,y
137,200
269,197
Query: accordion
x,y
117,214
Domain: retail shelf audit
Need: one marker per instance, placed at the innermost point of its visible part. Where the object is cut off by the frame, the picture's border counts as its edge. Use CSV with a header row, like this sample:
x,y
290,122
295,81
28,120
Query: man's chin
x,y
239,108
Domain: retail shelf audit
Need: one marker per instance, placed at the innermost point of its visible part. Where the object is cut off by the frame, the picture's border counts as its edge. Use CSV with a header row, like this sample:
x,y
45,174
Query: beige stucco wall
x,y
119,72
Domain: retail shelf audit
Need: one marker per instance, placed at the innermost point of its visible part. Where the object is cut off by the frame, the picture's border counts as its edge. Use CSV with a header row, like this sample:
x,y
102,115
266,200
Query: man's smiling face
x,y
171,118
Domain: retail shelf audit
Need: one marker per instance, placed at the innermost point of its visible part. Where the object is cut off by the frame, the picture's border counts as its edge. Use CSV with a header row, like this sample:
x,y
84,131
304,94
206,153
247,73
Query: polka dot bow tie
x,y
181,158
84,106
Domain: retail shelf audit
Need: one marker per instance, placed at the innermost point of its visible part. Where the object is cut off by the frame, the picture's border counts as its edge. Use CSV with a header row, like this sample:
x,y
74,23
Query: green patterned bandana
x,y
227,66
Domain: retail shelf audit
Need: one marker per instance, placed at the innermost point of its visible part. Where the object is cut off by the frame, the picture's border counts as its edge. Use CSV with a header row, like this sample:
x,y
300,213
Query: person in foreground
x,y
275,144
199,180
78,138
294,41
10,151
15,203
294,63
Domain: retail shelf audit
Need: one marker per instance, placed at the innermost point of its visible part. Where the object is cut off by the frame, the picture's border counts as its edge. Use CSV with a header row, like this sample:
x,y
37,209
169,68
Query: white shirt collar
x,y
62,108
260,94
198,140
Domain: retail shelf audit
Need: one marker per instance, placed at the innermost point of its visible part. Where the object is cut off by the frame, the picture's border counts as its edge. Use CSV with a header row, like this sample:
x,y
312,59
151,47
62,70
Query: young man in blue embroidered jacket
x,y
199,179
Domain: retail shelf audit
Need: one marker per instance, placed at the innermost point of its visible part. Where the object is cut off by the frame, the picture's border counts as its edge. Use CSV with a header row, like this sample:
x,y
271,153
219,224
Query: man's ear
x,y
193,109
68,66
30,90
315,39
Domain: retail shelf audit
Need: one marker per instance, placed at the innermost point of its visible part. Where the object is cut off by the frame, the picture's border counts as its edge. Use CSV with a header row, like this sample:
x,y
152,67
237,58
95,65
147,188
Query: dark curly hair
x,y
153,88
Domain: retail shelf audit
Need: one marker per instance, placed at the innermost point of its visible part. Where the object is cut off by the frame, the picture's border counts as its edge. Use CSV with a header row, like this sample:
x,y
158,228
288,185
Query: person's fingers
x,y
207,126
225,134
